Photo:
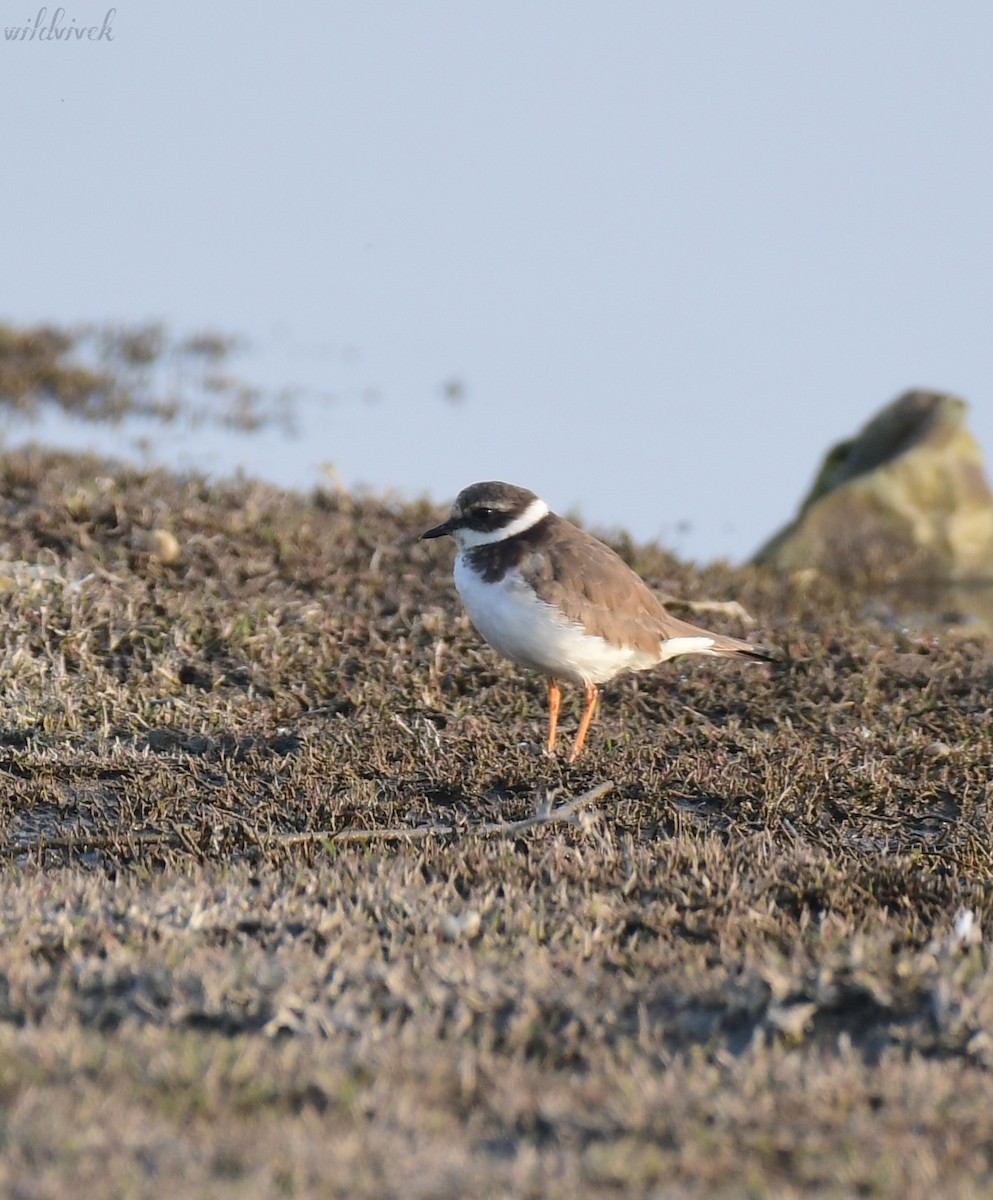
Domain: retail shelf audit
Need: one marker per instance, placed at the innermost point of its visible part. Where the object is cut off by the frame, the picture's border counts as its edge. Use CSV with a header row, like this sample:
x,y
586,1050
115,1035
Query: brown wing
x,y
592,584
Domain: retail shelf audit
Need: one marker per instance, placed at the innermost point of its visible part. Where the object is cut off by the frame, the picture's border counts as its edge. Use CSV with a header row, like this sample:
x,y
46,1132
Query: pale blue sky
x,y
671,249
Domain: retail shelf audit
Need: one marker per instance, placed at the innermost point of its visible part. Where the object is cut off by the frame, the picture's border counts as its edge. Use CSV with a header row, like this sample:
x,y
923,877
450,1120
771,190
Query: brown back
x,y
591,584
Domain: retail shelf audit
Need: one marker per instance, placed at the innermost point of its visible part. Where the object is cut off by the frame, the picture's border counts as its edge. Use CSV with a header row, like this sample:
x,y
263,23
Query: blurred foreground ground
x,y
235,959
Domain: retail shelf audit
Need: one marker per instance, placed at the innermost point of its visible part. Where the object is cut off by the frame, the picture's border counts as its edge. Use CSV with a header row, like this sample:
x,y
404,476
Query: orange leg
x,y
554,700
589,704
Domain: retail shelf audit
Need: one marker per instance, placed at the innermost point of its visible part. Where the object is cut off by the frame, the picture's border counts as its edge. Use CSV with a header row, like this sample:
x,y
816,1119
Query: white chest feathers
x,y
535,634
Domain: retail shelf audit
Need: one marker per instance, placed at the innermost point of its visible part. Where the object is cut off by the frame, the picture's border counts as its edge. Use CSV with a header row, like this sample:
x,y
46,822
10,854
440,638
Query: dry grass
x,y
225,969
105,373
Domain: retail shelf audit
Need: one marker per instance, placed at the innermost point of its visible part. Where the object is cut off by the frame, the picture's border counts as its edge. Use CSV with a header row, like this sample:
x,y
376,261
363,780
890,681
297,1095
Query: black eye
x,y
483,513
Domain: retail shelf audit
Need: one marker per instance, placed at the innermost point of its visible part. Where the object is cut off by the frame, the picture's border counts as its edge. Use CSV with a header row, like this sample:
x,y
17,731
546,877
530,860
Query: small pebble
x,y
937,750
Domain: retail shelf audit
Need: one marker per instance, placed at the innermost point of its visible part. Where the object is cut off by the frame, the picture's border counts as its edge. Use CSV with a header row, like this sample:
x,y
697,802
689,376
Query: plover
x,y
553,599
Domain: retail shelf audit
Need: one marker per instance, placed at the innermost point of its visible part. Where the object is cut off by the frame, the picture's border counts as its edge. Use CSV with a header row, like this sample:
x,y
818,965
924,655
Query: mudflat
x,y
294,904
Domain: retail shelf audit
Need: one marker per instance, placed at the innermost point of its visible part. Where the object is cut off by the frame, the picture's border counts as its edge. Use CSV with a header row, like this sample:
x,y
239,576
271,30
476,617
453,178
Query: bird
x,y
554,599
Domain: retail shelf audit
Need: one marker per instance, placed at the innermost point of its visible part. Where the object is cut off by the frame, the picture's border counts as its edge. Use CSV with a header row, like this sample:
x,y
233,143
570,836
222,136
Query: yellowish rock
x,y
907,498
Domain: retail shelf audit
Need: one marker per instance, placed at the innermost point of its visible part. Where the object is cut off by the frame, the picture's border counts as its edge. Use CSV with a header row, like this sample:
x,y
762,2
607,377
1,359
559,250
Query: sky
x,y
666,253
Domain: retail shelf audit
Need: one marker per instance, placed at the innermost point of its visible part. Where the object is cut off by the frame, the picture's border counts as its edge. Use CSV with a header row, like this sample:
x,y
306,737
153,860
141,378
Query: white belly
x,y
534,634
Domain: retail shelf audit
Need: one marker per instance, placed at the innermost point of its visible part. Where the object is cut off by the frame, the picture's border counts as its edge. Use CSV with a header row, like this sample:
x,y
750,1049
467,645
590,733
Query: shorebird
x,y
554,599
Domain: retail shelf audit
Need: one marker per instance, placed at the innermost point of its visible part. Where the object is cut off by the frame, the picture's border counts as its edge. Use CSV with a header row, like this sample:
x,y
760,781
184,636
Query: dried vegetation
x,y
259,936
104,373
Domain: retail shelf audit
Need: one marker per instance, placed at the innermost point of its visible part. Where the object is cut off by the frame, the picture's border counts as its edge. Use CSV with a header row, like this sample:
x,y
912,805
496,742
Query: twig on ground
x,y
564,812
175,839
727,608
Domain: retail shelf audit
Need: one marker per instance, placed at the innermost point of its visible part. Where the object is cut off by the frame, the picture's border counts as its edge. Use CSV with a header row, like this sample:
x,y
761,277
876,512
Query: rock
x,y
160,544
906,499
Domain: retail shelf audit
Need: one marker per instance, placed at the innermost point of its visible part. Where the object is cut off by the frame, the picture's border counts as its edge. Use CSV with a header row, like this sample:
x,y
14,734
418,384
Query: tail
x,y
680,637
728,647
